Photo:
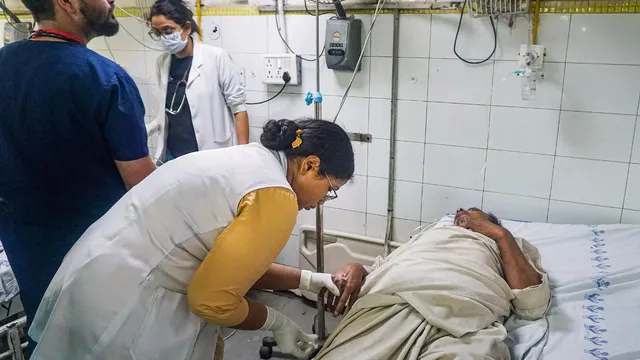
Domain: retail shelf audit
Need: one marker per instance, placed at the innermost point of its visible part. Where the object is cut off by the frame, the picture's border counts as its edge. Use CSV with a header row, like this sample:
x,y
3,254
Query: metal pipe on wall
x,y
320,328
536,23
281,24
392,143
199,18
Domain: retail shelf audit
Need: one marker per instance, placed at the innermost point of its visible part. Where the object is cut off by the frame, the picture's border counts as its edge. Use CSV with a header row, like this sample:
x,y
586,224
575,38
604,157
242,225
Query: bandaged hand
x,y
315,282
288,335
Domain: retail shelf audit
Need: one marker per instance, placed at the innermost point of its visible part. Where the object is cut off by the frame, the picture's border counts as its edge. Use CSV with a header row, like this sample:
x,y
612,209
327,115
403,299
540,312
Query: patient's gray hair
x,y
494,219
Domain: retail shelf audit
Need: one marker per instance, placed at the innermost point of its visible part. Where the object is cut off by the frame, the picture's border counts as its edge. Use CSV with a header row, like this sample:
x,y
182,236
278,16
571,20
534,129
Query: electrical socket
x,y
275,65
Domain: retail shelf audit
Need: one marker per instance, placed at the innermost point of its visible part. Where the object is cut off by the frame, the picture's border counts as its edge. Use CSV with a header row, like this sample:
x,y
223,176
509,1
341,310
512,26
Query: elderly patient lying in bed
x,y
443,295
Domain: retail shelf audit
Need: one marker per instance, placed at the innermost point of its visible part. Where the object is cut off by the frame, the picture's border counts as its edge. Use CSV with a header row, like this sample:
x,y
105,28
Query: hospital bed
x,y
594,272
12,319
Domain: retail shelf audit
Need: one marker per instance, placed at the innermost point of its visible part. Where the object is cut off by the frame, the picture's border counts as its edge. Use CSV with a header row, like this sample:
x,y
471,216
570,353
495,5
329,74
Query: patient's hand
x,y
482,226
349,280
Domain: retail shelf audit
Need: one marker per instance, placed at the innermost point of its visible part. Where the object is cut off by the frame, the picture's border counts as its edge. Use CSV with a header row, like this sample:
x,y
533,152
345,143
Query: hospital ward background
x,y
527,109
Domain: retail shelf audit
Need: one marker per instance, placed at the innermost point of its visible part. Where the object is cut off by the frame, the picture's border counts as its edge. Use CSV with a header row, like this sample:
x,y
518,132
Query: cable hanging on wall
x,y
286,78
11,17
143,21
455,41
285,41
306,8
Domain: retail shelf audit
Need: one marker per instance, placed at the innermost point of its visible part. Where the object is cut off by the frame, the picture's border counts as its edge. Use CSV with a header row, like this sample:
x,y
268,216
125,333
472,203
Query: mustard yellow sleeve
x,y
242,253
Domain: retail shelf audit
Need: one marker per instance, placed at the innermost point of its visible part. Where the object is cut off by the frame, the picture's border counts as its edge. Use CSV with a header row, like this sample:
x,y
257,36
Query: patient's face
x,y
473,213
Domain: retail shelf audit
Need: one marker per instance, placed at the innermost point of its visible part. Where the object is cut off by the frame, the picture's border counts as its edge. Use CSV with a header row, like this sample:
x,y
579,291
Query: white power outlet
x,y
275,65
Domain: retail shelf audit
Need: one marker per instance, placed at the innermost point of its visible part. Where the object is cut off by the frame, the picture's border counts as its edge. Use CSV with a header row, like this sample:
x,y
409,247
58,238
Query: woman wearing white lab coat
x,y
202,99
176,256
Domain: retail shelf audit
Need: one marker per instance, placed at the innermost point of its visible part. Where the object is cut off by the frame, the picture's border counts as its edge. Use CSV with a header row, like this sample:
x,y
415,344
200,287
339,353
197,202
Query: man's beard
x,y
97,24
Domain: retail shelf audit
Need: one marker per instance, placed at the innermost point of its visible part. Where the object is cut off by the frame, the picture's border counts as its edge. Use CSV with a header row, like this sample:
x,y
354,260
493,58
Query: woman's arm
x,y
231,85
242,127
241,255
279,277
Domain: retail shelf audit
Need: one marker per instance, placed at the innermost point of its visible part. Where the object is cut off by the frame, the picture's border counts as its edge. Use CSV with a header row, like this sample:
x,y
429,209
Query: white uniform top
x,y
214,92
121,290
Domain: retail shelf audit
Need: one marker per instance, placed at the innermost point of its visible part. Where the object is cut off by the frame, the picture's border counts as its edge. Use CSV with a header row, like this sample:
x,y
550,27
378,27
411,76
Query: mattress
x,y
594,274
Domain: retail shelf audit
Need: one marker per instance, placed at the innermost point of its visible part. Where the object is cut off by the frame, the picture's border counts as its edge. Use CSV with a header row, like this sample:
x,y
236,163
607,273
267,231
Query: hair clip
x,y
298,141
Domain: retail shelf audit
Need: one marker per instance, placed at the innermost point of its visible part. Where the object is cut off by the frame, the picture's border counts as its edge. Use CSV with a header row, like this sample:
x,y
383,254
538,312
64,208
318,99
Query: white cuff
x,y
275,320
532,302
305,280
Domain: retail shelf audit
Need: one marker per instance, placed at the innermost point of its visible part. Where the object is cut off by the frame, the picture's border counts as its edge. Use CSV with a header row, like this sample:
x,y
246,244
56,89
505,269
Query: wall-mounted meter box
x,y
343,43
16,32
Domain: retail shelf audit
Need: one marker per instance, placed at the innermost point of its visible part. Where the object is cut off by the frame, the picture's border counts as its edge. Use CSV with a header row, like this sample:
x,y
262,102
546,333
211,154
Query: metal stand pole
x,y
388,237
320,328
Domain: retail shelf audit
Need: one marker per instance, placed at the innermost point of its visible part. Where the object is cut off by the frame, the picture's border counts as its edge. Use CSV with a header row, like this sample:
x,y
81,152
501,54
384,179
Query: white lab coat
x,y
120,292
214,92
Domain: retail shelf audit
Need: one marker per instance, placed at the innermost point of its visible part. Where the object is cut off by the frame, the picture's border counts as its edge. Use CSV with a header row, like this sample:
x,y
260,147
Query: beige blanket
x,y
440,296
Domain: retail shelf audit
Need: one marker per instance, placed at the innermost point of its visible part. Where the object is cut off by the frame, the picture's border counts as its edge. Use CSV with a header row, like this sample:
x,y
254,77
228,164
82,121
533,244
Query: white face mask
x,y
174,43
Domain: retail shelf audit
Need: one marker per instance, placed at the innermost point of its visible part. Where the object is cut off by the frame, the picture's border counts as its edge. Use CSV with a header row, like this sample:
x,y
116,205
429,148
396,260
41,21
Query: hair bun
x,y
278,134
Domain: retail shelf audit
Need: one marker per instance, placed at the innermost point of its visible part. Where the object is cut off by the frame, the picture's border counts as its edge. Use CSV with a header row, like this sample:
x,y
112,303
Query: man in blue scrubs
x,y
72,138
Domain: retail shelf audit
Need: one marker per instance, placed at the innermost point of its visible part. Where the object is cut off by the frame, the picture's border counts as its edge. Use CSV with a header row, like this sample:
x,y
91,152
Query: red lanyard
x,y
57,35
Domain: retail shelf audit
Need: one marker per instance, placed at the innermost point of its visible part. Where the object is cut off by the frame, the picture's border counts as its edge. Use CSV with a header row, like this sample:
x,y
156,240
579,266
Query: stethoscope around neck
x,y
183,82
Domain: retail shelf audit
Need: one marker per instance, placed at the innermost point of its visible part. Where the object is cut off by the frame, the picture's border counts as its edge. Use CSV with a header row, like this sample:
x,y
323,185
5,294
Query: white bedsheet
x,y
595,280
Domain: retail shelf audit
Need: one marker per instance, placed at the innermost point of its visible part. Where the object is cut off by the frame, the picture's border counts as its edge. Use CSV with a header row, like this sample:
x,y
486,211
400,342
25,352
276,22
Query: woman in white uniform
x,y
203,103
173,260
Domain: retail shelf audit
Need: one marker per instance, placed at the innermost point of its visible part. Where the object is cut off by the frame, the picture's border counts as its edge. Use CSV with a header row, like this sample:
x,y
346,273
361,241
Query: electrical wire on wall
x,y
269,99
285,41
145,22
286,78
106,41
14,19
306,8
455,41
379,7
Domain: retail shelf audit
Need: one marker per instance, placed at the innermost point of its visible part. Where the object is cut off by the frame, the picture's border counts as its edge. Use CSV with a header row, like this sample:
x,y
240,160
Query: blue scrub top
x,y
66,113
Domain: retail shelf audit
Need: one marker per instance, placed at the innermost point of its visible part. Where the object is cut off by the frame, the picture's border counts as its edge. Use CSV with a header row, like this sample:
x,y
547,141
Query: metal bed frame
x,y
12,333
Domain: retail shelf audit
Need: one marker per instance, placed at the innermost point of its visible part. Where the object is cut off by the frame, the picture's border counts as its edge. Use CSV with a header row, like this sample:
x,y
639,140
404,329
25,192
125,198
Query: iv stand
x,y
320,324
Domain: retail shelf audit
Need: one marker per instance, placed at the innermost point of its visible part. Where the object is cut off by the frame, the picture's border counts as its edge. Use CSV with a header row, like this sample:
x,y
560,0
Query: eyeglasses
x,y
331,194
157,35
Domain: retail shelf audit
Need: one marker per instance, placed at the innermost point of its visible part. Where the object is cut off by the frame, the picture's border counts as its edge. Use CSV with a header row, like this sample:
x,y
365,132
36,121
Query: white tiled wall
x,y
465,136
